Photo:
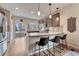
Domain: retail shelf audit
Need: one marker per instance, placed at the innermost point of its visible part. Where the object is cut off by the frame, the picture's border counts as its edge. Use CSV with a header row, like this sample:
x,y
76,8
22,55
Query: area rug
x,y
71,53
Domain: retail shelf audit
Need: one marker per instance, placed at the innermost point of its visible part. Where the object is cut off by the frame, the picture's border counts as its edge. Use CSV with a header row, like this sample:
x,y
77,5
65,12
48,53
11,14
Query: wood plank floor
x,y
17,48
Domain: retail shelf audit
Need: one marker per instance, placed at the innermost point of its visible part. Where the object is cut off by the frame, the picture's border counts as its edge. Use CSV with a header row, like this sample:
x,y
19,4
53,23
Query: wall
x,y
72,10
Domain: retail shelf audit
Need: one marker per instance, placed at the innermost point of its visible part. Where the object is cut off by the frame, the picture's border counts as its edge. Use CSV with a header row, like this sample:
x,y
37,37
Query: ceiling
x,y
29,10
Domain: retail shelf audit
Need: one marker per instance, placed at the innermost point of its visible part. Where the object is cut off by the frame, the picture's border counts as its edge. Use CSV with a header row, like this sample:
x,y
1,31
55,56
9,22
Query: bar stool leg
x,y
43,49
48,49
39,50
53,49
35,49
62,45
66,43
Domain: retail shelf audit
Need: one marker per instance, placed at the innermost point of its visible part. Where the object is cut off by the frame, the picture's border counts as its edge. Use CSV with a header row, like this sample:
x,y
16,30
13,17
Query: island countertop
x,y
44,34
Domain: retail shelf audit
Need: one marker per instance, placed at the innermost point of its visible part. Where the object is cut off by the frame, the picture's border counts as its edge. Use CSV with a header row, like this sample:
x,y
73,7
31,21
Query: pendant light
x,y
50,16
57,13
38,12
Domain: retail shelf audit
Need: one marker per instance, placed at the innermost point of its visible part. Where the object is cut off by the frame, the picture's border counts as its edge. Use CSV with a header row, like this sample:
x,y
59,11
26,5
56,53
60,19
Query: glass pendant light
x,y
57,18
38,12
50,16
57,13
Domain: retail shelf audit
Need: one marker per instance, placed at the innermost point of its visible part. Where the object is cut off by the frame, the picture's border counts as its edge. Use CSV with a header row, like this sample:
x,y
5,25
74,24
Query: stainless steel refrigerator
x,y
3,34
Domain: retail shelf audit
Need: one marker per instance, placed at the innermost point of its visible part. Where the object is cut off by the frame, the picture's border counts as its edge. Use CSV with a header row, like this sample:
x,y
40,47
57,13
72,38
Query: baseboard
x,y
71,47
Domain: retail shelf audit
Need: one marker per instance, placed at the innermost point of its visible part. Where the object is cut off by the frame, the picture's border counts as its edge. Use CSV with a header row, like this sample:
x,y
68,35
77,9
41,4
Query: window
x,y
19,26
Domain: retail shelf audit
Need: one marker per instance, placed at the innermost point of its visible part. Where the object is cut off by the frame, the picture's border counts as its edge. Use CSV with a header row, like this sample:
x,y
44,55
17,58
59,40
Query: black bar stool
x,y
55,40
43,42
63,38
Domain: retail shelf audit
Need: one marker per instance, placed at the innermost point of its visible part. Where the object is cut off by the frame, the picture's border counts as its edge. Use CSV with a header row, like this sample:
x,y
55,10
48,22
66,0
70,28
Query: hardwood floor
x,y
17,48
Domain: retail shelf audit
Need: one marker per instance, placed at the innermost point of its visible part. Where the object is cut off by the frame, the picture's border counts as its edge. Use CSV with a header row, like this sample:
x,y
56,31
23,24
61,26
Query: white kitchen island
x,y
34,37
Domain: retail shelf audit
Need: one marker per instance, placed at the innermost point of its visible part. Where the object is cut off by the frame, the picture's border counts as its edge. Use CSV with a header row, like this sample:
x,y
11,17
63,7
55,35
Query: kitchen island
x,y
34,37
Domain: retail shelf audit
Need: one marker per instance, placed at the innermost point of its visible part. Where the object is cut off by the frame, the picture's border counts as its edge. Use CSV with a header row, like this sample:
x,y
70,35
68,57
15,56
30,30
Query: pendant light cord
x,y
38,6
50,8
57,9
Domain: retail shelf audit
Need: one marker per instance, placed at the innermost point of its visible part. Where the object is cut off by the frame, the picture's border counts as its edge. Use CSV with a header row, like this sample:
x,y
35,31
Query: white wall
x,y
72,10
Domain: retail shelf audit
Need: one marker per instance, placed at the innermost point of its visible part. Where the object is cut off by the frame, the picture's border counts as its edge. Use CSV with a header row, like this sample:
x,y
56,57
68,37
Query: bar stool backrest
x,y
56,39
64,37
43,41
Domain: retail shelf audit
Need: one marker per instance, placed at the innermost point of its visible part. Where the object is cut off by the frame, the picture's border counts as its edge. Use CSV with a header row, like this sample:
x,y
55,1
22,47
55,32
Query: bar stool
x,y
55,40
43,42
63,38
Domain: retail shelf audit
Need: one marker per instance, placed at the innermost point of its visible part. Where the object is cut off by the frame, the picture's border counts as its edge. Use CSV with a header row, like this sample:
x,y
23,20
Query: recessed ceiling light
x,y
17,8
